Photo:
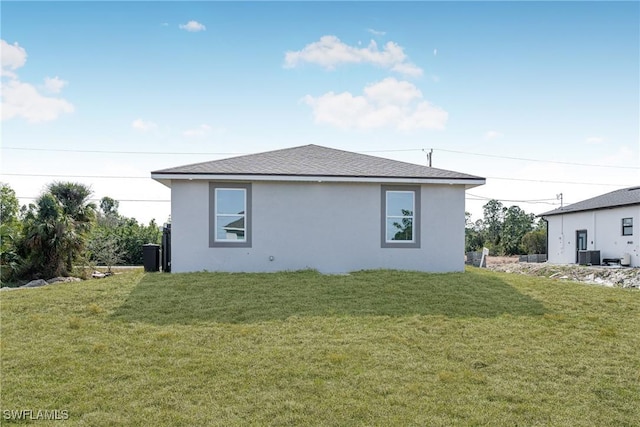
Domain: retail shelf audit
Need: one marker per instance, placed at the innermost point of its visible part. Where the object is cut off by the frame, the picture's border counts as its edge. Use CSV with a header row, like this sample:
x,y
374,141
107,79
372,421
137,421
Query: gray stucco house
x,y
315,207
606,226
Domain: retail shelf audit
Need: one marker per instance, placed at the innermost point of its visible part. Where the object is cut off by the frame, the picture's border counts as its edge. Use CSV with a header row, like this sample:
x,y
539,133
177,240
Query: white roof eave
x,y
167,178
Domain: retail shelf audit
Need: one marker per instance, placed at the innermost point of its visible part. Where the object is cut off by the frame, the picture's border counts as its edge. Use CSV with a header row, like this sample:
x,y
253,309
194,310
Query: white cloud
x,y
594,140
392,91
388,103
330,52
376,32
12,57
407,68
143,125
201,130
193,26
20,99
492,134
54,85
23,100
435,52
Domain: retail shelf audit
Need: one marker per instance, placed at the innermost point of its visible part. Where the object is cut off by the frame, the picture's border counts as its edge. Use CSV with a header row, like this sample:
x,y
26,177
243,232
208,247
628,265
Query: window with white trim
x,y
627,226
230,215
400,217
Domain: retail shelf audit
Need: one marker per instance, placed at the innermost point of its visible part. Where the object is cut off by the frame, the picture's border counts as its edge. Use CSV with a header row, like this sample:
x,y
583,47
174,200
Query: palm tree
x,y
77,216
45,236
55,228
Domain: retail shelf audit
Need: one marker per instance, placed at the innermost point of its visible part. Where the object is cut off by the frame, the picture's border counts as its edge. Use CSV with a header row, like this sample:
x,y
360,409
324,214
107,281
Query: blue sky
x,y
102,92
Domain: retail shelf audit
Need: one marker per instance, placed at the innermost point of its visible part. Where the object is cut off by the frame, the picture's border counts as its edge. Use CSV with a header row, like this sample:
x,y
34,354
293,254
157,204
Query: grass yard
x,y
371,348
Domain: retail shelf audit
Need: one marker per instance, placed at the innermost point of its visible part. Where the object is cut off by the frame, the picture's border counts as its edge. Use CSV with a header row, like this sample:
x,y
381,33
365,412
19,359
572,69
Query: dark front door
x,y
581,242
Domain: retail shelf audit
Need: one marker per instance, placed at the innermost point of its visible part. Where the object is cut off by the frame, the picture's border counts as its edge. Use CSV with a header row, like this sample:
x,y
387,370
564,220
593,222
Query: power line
x,y
536,201
391,151
511,201
363,151
206,153
537,160
75,176
556,182
475,198
63,150
119,200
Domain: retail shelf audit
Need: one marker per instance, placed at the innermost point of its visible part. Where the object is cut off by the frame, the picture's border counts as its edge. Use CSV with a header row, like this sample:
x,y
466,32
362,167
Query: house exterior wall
x,y
331,227
604,233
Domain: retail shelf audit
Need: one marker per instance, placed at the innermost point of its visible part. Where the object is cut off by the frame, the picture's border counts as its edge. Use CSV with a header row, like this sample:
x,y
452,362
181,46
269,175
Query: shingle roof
x,y
314,160
624,197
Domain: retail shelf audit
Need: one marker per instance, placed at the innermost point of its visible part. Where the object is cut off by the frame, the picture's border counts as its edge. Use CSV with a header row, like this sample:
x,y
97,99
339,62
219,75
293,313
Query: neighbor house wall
x,y
604,233
331,227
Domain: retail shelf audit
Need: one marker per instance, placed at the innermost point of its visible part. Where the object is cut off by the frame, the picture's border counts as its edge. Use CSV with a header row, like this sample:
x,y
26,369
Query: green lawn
x,y
371,348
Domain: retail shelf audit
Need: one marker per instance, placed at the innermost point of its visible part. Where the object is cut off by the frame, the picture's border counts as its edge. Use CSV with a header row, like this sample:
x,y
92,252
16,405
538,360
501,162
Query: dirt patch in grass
x,y
613,276
501,260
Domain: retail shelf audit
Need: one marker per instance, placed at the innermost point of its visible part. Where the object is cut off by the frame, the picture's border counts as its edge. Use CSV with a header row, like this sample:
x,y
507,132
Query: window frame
x,y
415,227
213,215
628,227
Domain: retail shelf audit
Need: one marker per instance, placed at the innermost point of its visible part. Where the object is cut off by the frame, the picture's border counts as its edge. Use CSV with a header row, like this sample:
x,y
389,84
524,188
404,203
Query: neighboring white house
x,y
607,223
315,207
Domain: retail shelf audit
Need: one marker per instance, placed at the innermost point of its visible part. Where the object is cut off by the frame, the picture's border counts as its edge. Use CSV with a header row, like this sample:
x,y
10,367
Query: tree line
x,y
63,229
506,231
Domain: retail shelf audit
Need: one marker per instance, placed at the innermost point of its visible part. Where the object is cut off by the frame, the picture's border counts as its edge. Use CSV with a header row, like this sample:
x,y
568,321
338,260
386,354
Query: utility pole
x,y
429,155
559,197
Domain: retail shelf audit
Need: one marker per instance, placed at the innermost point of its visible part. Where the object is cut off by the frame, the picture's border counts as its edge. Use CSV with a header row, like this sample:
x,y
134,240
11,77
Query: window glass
x,y
627,226
400,229
230,214
230,228
230,201
399,221
399,203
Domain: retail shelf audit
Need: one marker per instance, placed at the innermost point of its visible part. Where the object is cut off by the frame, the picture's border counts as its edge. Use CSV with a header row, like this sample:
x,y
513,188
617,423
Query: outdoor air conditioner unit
x,y
625,260
589,257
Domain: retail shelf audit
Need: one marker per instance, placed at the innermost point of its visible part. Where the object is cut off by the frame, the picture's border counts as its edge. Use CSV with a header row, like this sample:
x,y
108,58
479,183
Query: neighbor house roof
x,y
624,197
311,161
